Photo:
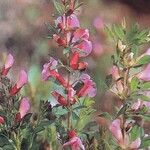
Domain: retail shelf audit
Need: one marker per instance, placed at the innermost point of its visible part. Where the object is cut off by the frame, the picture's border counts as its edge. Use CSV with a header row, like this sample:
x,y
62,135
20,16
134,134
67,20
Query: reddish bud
x,y
2,121
60,99
18,117
75,64
72,133
58,77
59,40
74,60
22,80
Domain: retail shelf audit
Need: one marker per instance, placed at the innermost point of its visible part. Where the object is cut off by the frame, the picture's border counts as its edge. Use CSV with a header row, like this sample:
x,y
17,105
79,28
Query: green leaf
x,y
119,32
134,84
45,123
59,111
145,86
146,117
38,129
66,50
58,6
143,97
75,116
25,144
134,49
6,143
144,60
145,142
109,32
79,107
135,132
140,96
122,110
26,118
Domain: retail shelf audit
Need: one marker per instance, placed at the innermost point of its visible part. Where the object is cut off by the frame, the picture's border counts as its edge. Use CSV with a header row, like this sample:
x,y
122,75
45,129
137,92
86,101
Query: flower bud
x,y
120,46
22,80
2,121
60,99
17,118
24,107
59,40
72,133
8,64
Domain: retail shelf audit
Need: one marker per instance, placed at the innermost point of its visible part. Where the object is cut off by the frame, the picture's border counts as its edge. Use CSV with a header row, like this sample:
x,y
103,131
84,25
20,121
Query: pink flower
x,y
2,121
80,34
84,48
88,88
49,70
135,144
8,64
115,129
68,22
139,104
123,141
147,52
136,105
115,72
75,142
80,42
146,104
145,74
118,87
22,80
47,67
24,107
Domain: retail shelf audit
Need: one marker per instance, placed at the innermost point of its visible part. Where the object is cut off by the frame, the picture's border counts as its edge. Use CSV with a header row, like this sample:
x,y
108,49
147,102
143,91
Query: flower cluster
x,y
13,90
76,45
13,107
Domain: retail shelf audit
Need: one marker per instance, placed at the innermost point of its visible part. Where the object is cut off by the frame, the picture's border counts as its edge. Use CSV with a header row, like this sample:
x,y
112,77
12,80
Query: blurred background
x,y
23,33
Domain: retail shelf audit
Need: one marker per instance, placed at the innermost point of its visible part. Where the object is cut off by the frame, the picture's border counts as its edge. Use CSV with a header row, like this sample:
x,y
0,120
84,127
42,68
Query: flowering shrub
x,y
68,124
130,83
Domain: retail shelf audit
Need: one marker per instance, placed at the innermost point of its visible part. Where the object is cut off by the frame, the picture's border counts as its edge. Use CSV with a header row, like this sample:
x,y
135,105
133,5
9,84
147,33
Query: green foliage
x,y
134,84
6,143
144,60
145,142
136,132
59,7
128,59
132,37
145,86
